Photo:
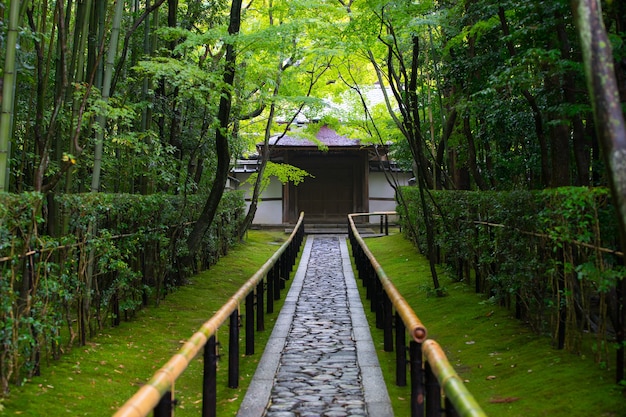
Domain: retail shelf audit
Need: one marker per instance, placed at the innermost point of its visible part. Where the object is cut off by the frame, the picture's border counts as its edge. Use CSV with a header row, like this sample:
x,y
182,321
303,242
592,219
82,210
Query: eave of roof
x,y
326,136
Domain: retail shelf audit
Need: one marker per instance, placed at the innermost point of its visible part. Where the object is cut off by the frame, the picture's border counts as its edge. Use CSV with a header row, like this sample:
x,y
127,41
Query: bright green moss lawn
x,y
480,339
509,370
95,380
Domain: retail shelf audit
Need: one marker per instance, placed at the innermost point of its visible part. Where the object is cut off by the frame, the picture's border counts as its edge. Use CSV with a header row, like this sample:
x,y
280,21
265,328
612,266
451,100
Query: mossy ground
x,y
481,340
95,380
510,370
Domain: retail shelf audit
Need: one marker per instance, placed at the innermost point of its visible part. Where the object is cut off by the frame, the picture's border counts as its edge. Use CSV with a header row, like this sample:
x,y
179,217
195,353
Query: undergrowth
x,y
510,370
96,379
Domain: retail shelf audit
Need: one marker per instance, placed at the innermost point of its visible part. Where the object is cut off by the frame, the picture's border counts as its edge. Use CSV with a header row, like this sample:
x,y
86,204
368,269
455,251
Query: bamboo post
x,y
250,324
378,301
387,313
400,352
270,290
233,351
277,274
260,318
433,392
417,379
165,406
209,379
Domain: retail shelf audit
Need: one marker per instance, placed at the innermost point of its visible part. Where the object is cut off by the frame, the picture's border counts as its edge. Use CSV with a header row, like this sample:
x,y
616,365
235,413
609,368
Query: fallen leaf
x,y
490,377
503,400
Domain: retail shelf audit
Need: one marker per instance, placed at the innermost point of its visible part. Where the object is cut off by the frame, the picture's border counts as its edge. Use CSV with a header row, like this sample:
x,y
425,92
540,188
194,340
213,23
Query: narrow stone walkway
x,y
320,360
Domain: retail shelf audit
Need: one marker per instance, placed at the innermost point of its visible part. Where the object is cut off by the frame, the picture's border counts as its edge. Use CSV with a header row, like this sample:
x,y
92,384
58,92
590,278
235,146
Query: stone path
x,y
320,360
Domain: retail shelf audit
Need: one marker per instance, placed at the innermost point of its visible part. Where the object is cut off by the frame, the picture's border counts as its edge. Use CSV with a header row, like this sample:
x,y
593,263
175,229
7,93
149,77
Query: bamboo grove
x,y
154,99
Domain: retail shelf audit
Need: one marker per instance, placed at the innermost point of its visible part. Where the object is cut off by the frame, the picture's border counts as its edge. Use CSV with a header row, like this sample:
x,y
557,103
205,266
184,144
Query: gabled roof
x,y
326,136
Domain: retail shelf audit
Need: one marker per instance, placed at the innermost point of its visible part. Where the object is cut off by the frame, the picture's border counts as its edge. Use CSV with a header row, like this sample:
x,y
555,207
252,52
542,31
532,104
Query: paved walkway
x,y
320,359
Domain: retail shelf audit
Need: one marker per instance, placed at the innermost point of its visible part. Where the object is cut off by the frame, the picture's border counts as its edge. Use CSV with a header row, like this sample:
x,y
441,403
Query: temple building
x,y
346,177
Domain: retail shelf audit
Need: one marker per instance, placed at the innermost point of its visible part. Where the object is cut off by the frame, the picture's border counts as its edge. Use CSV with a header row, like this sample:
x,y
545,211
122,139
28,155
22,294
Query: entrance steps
x,y
365,230
337,229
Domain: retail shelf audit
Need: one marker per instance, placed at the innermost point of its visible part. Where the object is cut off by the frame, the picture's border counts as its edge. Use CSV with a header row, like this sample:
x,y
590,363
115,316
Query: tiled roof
x,y
326,136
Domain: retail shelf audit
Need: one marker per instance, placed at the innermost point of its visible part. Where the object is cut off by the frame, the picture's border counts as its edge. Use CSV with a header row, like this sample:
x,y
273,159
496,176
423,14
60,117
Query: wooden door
x,y
334,190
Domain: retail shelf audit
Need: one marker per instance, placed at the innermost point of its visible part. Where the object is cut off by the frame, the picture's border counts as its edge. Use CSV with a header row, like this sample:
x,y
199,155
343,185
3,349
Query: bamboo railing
x,y
431,372
156,394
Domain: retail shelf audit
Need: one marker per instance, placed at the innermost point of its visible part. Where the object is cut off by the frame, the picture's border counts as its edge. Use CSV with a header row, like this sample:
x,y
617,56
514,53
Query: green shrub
x,y
118,252
548,254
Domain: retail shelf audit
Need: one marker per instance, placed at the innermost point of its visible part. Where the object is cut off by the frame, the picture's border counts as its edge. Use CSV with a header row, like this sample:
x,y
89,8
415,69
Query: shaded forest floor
x,y
510,370
96,379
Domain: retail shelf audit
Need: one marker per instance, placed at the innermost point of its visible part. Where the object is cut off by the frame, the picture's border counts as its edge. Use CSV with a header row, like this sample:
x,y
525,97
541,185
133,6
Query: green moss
x,y
480,339
96,379
510,370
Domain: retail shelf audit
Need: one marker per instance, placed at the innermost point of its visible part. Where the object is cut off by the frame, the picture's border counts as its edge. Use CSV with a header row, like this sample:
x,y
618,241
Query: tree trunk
x,y
77,73
559,155
262,163
532,102
106,90
221,139
471,155
618,9
582,154
443,173
610,125
8,95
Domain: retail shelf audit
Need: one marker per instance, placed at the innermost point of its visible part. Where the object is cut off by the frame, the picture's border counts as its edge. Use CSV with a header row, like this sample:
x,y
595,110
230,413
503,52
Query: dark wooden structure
x,y
339,184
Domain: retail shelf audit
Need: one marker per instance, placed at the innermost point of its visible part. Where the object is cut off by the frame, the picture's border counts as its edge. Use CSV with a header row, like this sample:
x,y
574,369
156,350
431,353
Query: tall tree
x,y
221,135
400,70
7,89
532,102
610,125
106,93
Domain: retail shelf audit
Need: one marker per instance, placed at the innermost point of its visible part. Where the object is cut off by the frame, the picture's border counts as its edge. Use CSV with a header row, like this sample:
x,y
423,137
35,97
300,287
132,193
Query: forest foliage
x,y
58,292
127,98
551,256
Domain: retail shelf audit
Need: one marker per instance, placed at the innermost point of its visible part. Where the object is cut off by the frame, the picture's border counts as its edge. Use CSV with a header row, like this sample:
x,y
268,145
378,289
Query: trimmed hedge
x,y
549,255
118,253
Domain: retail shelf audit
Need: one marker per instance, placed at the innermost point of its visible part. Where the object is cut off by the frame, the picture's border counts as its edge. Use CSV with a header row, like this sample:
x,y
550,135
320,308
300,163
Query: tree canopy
x,y
105,103
478,95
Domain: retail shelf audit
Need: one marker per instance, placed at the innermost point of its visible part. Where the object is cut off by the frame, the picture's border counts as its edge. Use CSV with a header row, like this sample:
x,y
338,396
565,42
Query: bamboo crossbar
x,y
453,386
545,236
413,324
455,391
149,395
78,244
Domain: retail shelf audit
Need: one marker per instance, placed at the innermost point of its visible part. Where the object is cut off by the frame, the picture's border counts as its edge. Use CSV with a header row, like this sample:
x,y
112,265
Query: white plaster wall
x,y
381,195
274,189
268,211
